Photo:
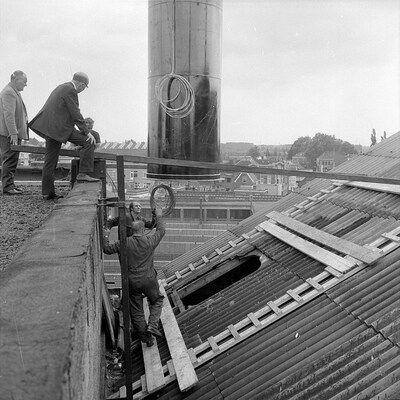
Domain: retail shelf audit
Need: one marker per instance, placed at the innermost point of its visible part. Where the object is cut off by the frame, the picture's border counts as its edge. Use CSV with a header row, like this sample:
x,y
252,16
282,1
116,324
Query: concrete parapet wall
x,y
50,307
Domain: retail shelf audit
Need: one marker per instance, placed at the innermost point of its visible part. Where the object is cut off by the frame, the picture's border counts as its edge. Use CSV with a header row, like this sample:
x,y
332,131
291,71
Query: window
x,y
249,266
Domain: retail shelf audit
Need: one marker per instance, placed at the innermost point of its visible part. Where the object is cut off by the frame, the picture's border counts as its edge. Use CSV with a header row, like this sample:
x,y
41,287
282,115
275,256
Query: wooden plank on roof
x,y
152,361
177,301
178,275
184,369
315,284
334,272
294,296
274,308
317,253
393,238
378,187
171,369
213,344
233,332
144,383
256,322
344,246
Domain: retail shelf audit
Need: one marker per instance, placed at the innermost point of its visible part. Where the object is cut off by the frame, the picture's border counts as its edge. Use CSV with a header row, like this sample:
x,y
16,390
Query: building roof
x,y
129,147
264,330
332,155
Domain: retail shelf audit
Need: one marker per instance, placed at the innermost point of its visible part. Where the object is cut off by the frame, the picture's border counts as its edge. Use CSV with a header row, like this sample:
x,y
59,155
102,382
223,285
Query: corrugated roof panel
x,y
367,165
316,352
323,214
366,294
207,388
388,147
368,201
371,230
313,186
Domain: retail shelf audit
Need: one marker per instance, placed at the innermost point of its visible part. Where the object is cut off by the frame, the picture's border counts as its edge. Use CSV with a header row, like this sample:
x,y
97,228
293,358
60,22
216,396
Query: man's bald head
x,y
137,227
18,80
81,81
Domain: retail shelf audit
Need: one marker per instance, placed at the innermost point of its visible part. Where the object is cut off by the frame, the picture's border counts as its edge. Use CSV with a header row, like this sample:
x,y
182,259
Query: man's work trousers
x,y
149,287
9,164
53,147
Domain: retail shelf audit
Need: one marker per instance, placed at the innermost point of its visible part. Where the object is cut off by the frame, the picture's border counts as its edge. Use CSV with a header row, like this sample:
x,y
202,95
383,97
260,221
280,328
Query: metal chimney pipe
x,y
185,50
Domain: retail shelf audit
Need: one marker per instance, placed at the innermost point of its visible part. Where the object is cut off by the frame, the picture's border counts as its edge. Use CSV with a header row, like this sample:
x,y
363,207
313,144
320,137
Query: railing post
x,y
124,275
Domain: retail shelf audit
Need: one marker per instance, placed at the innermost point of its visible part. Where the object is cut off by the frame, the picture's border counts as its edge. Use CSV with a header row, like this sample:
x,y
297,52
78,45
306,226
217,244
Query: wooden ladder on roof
x,y
180,367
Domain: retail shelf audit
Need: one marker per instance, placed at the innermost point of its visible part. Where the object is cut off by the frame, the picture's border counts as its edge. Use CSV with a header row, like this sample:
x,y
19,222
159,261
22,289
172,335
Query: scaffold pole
x,y
124,275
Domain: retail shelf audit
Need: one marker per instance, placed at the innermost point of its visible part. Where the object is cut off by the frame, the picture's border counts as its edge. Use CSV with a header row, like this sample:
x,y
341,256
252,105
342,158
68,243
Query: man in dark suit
x,y
13,129
55,122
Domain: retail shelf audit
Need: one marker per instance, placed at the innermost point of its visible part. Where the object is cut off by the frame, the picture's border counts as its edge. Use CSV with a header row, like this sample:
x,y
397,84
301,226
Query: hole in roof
x,y
248,267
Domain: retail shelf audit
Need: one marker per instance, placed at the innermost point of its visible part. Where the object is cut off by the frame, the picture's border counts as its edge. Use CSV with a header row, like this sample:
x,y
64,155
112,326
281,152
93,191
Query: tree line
x,y
313,147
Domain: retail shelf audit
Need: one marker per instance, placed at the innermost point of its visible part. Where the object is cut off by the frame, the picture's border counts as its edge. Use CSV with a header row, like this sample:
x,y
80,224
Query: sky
x,y
290,68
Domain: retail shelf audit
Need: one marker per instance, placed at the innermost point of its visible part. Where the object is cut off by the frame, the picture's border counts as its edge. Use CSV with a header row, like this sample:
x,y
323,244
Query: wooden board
x,y
108,311
344,246
317,253
152,361
183,366
378,187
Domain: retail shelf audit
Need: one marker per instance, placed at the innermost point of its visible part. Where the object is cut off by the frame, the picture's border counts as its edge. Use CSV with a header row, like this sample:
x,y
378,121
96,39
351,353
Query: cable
x,y
167,210
112,182
184,87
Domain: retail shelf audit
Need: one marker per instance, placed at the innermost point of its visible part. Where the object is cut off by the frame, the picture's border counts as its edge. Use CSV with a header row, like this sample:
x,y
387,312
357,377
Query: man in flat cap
x,y
13,128
55,123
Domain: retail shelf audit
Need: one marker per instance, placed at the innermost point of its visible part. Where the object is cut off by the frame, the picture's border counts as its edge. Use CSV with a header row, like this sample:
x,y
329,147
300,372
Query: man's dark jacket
x,y
140,250
59,115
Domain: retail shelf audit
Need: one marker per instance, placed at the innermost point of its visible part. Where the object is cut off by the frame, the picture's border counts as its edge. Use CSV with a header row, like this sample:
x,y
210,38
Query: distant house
x,y
271,184
300,160
330,159
245,180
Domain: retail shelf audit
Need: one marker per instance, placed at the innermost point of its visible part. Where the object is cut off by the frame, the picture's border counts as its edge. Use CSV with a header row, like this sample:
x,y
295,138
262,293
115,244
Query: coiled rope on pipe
x,y
184,86
169,197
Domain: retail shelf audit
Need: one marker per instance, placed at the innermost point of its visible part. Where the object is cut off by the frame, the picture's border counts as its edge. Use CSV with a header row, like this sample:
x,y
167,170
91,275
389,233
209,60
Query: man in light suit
x,y
13,129
55,122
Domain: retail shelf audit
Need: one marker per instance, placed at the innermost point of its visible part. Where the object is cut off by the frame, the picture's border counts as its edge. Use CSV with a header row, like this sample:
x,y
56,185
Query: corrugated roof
x,y
343,344
386,148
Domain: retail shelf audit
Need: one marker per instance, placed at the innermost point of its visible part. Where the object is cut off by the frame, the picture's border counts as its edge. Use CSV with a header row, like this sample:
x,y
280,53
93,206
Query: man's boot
x,y
153,331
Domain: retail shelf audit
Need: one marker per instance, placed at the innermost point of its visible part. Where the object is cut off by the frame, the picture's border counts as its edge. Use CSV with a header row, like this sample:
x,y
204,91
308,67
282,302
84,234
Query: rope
x,y
184,87
171,199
